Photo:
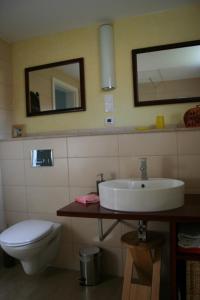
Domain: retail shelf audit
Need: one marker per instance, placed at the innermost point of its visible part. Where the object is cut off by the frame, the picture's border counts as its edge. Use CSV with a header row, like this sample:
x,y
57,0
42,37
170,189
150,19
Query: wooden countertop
x,y
189,212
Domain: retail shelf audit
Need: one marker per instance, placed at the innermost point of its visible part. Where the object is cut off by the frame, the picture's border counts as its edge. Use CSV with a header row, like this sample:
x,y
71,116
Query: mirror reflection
x,y
166,74
55,88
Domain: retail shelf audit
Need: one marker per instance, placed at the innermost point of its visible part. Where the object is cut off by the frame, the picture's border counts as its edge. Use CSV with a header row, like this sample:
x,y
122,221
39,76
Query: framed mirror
x,y
55,88
166,74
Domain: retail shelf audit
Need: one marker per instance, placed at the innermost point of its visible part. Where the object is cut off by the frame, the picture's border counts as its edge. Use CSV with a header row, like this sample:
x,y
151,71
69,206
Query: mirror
x,y
55,88
166,74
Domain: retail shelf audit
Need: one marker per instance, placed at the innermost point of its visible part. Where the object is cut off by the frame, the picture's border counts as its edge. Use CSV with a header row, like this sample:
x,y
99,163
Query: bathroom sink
x,y
154,194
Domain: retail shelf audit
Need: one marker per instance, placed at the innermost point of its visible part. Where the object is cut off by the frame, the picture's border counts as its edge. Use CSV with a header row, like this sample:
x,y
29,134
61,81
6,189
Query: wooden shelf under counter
x,y
187,213
190,212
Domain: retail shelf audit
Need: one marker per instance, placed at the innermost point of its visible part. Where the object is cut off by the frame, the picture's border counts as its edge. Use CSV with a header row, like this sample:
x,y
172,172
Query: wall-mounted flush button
x,y
42,158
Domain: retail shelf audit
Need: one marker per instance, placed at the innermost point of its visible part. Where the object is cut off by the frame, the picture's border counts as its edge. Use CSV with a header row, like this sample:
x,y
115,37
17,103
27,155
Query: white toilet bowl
x,y
33,242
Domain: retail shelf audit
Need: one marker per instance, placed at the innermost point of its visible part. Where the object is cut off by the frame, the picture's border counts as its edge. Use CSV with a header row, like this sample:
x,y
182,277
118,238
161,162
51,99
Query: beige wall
x,y
134,32
39,192
5,89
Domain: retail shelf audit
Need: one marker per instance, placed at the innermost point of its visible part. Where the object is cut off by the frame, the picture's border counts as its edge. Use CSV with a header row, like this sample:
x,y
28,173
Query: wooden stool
x,y
142,269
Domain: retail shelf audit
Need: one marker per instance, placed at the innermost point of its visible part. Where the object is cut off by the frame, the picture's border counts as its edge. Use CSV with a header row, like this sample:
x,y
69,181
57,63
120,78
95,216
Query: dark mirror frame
x,y
82,107
135,52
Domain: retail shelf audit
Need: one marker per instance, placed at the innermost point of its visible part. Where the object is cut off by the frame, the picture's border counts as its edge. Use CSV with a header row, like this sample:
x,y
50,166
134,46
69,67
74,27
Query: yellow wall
x,y
133,32
5,89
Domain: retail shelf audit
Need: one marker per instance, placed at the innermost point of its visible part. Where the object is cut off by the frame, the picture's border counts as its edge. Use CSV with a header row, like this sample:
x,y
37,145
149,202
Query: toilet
x,y
33,242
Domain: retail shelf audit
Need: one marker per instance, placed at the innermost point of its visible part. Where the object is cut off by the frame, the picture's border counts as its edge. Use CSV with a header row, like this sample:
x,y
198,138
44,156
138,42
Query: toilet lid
x,y
25,232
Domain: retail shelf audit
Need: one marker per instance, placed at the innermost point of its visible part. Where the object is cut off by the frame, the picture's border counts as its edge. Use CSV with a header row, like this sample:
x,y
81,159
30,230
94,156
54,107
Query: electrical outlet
x,y
109,120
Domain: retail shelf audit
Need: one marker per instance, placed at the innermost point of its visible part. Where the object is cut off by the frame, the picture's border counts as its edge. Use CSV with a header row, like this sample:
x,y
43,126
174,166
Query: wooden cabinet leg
x,y
155,291
140,292
142,268
127,275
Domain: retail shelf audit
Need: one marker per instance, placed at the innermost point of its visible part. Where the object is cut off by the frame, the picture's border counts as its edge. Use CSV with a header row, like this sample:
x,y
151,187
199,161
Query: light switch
x,y
108,103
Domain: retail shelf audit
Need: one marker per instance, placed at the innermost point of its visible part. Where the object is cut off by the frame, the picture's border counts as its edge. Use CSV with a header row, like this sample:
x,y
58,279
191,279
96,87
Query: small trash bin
x,y
90,265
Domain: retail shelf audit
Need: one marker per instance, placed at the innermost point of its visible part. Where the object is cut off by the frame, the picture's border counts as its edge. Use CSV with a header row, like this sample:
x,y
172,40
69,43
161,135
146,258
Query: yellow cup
x,y
160,122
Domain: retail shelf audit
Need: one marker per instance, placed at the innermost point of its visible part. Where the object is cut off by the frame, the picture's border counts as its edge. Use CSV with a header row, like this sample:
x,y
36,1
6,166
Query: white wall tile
x,y
84,230
11,150
188,142
1,200
46,199
157,166
45,216
114,237
2,206
15,198
13,172
59,146
91,146
47,176
65,257
2,221
83,171
189,166
66,229
15,217
147,144
112,261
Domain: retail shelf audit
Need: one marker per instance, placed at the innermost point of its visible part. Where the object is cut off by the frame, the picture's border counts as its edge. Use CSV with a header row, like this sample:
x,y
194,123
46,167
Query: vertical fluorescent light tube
x,y
107,57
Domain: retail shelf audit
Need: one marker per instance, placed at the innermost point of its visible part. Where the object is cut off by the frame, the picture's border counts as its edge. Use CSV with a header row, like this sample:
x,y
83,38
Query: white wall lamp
x,y
107,57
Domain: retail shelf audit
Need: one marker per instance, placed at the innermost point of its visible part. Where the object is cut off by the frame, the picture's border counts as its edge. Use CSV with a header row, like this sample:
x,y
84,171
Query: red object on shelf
x,y
188,250
192,117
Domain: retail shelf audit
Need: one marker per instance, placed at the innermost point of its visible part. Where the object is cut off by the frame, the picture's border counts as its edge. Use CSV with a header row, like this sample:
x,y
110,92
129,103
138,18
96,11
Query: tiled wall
x,y
5,89
39,192
2,210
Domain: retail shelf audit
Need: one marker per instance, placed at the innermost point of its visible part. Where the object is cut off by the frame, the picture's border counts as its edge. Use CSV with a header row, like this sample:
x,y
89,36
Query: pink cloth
x,y
89,198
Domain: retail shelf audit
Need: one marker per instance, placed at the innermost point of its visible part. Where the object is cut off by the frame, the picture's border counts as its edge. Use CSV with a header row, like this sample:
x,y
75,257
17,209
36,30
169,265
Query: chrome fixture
x,y
143,168
107,57
42,158
103,234
142,230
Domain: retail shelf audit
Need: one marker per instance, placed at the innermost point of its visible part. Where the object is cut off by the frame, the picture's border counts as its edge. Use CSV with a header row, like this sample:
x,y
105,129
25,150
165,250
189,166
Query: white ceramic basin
x,y
154,194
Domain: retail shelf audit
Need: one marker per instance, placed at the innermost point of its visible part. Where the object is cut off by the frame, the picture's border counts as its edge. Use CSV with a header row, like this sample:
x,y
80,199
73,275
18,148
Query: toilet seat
x,y
26,232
